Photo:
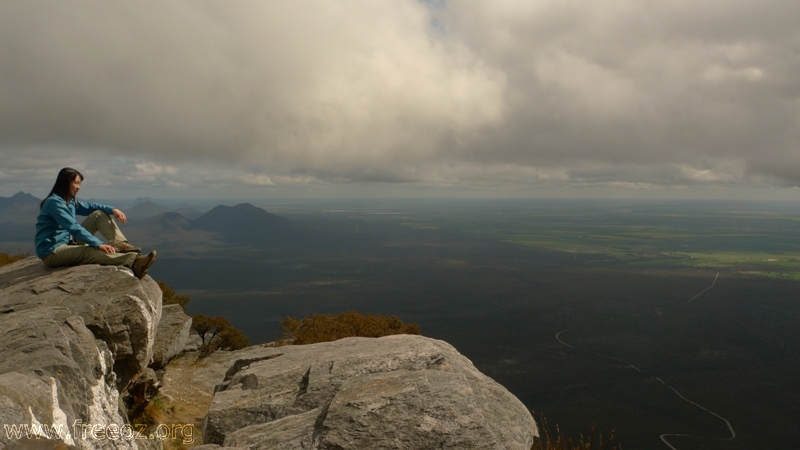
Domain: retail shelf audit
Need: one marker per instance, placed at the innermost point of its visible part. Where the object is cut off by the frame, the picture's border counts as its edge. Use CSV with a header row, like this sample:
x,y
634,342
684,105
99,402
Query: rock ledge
x,y
71,339
395,392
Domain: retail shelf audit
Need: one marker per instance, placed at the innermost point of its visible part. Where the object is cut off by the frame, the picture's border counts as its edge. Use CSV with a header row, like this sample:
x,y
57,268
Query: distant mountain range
x,y
17,219
21,208
19,200
241,224
170,221
147,208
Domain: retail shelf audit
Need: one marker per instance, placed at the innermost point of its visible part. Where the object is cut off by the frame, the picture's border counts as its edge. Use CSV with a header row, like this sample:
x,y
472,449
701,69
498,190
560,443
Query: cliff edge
x,y
78,346
71,340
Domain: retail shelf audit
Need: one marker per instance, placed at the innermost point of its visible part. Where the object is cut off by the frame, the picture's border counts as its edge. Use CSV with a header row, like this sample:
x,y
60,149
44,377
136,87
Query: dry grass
x,y
559,442
6,258
330,327
147,414
154,412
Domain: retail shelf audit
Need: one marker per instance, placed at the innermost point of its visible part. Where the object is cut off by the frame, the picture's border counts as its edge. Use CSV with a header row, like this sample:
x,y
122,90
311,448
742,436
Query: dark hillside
x,y
247,224
168,221
20,208
20,199
146,209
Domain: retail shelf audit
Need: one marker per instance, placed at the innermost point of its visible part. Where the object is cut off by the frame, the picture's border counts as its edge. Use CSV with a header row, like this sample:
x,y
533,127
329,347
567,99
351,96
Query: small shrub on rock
x,y
232,339
6,258
217,333
330,327
170,297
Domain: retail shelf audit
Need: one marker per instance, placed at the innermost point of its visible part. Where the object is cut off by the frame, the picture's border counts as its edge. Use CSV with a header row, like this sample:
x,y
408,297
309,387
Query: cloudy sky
x,y
561,98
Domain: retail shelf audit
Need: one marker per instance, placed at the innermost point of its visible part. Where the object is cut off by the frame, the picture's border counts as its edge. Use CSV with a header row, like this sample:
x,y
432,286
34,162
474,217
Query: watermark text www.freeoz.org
x,y
100,432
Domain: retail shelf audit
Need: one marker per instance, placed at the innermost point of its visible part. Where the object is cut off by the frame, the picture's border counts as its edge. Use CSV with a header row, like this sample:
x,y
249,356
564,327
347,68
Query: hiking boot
x,y
125,247
142,263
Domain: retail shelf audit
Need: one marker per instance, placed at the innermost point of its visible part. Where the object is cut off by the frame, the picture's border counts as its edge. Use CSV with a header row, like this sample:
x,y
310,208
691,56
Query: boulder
x,y
172,335
115,306
393,392
193,343
70,340
188,384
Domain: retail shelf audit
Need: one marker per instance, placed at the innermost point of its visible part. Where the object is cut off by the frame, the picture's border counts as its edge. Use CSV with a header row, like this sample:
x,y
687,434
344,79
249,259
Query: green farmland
x,y
756,240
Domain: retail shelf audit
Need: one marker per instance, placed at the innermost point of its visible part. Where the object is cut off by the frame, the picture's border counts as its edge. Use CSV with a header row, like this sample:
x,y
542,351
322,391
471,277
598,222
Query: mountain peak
x,y
244,222
19,200
241,210
24,196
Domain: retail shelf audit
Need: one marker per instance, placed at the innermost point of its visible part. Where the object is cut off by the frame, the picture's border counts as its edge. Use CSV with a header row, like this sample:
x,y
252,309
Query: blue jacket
x,y
56,223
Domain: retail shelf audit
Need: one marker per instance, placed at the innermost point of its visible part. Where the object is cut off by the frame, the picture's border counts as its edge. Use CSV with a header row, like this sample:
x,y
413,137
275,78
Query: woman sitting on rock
x,y
56,225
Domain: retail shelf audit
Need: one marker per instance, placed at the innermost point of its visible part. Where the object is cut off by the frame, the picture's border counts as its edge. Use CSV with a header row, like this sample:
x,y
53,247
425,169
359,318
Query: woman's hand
x,y
119,215
107,248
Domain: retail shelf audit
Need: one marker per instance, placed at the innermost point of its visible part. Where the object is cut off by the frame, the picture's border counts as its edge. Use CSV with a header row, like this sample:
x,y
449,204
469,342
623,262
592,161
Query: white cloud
x,y
151,170
256,179
726,172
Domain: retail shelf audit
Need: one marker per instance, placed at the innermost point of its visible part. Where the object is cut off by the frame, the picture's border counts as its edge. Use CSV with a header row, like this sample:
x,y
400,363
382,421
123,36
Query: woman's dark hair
x,y
61,188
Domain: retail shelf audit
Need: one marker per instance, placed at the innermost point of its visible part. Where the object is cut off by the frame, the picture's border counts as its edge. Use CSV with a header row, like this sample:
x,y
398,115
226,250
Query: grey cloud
x,y
641,82
470,92
299,85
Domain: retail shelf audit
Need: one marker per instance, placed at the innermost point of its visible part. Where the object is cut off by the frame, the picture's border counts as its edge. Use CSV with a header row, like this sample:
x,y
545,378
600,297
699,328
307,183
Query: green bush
x,y
329,327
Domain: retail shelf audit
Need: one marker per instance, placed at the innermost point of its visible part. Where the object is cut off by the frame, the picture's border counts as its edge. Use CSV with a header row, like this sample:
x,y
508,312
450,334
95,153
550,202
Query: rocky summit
x,y
79,345
71,340
394,392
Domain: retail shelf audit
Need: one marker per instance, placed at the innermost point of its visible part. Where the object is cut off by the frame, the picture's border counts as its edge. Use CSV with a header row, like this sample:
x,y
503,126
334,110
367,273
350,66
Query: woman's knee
x,y
98,214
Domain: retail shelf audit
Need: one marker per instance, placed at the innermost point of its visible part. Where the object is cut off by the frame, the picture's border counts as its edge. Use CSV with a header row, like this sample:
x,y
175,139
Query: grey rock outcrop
x,y
70,340
193,343
77,343
396,392
172,335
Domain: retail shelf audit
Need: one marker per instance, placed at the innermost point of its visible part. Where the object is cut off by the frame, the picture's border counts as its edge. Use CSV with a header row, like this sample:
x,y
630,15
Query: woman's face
x,y
75,186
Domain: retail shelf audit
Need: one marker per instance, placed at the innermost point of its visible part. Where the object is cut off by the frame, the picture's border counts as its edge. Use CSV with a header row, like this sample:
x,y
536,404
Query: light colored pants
x,y
73,255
